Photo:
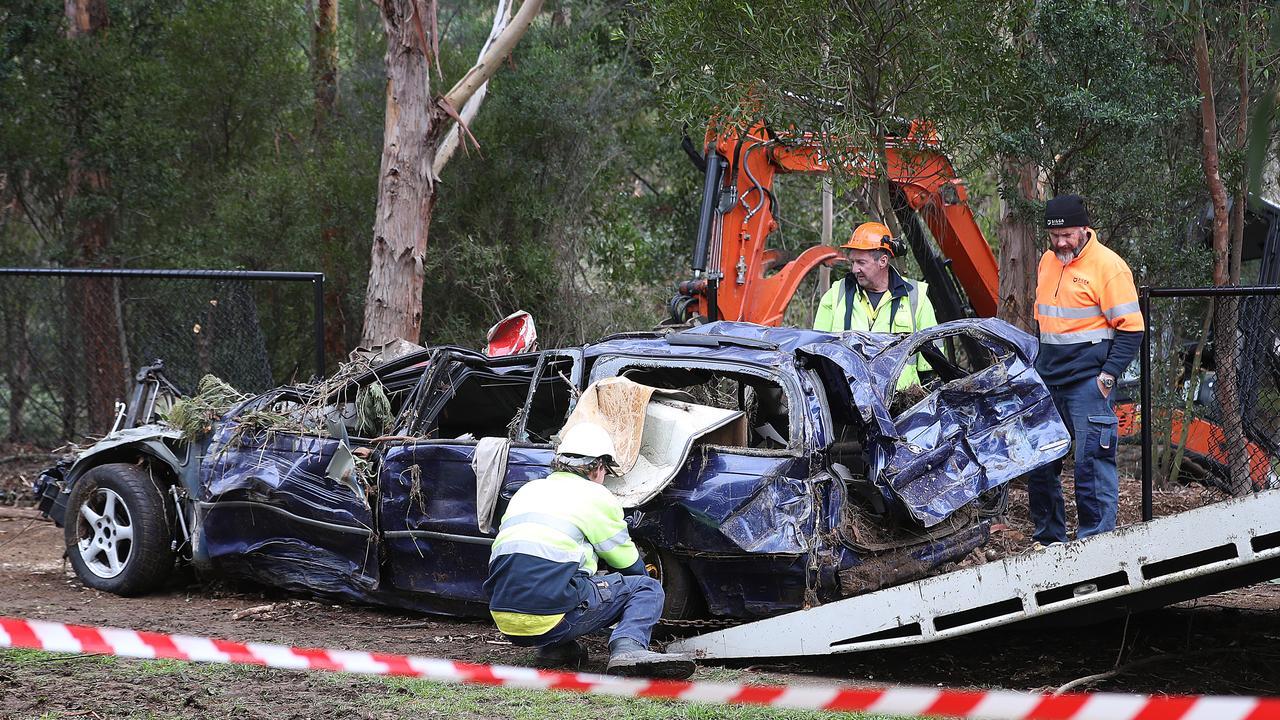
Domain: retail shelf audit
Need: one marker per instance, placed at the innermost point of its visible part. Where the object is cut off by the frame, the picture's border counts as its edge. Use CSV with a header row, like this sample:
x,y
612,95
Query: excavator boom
x,y
737,276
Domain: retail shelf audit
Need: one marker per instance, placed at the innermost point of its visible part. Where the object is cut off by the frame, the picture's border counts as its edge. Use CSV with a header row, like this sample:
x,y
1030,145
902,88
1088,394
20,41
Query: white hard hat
x,y
588,440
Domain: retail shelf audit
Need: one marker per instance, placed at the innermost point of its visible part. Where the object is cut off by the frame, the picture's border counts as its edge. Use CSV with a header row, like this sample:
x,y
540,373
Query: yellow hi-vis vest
x,y
835,315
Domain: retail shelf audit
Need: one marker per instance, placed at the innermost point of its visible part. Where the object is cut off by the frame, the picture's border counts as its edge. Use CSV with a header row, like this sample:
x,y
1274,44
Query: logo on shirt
x,y
1079,280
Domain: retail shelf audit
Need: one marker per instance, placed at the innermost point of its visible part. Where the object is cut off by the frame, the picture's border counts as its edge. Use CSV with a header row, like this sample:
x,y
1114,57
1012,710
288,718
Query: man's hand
x,y
1106,382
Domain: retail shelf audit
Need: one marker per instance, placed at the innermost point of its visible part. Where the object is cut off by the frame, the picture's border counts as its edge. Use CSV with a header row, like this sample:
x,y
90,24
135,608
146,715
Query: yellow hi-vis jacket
x,y
903,308
547,547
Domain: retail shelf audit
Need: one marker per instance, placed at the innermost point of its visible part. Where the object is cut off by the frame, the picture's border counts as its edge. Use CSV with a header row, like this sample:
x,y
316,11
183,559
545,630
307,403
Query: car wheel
x,y
117,531
683,599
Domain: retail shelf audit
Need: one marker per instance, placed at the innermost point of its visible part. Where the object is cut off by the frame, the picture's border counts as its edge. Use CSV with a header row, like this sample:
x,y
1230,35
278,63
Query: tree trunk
x,y
324,62
406,187
1209,156
324,77
1018,257
85,17
1226,317
1242,142
94,299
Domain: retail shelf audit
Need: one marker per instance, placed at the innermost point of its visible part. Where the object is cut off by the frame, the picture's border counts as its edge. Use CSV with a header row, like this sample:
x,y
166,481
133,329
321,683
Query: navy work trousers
x,y
632,602
1091,418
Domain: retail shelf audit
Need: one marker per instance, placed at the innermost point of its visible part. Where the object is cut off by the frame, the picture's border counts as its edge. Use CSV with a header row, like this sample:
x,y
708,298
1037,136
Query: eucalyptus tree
x,y
415,125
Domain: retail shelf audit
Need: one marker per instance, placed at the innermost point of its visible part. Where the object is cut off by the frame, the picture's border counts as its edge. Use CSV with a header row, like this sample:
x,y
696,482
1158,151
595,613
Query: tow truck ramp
x,y
1194,553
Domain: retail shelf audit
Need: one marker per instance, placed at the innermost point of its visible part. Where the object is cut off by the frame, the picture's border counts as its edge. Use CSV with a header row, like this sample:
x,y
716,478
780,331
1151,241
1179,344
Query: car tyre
x,y
117,531
683,598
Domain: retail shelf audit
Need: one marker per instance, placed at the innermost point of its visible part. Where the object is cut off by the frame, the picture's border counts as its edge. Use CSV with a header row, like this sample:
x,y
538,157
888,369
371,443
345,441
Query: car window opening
x,y
481,404
953,359
551,401
763,401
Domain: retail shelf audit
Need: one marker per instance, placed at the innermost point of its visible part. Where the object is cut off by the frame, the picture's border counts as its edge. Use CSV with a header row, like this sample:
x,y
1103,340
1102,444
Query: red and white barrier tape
x,y
903,701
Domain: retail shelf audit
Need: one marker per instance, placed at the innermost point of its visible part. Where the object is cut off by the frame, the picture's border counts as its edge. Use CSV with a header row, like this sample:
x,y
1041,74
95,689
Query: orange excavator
x,y
737,276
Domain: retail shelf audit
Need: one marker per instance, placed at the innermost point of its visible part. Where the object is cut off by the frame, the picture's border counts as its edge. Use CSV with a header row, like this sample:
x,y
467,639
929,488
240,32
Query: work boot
x,y
561,656
629,658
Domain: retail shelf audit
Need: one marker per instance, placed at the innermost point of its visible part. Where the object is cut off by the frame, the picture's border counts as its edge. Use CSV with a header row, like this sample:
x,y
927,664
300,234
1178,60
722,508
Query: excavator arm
x,y
737,276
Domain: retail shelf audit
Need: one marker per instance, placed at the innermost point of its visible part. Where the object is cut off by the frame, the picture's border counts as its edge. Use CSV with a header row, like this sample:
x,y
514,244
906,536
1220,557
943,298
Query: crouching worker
x,y
542,584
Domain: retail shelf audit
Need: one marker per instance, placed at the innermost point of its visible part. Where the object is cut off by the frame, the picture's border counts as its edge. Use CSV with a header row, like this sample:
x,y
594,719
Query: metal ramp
x,y
1198,552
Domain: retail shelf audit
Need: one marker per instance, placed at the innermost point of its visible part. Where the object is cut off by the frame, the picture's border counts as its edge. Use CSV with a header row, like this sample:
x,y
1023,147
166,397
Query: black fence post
x,y
318,288
1144,407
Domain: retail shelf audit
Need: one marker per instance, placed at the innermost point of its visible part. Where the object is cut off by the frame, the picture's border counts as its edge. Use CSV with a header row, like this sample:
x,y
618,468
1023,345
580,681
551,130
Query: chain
x,y
707,623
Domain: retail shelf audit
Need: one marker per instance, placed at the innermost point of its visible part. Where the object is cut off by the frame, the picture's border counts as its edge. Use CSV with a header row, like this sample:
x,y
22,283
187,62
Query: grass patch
x,y
22,657
215,690
420,698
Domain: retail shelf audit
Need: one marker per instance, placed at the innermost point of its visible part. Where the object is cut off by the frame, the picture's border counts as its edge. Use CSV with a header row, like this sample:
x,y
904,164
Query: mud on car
x,y
828,482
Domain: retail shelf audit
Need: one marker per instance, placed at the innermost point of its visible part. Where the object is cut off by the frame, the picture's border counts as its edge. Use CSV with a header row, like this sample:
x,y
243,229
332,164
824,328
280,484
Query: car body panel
x,y
267,510
428,510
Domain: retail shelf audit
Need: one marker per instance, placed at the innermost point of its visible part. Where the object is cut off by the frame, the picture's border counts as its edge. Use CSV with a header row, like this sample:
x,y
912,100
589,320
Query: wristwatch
x,y
1108,381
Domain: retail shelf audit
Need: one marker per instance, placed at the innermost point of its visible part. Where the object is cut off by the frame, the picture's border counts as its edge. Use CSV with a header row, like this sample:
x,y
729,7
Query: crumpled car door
x,y
428,512
970,435
973,433
269,510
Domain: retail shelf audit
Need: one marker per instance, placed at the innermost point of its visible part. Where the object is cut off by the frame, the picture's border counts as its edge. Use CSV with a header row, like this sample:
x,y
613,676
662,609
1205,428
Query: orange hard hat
x,y
871,236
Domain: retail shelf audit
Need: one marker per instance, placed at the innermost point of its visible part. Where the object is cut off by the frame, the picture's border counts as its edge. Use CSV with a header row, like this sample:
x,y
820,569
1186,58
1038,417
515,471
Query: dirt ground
x,y
1226,643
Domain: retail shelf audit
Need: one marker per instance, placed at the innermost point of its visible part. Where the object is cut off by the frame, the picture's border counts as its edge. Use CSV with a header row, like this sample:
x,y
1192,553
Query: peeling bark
x,y
406,191
1019,260
1226,322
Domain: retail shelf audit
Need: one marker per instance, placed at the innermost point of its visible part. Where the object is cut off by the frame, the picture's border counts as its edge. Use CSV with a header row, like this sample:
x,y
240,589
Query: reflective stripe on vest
x,y
565,518
1070,313
548,519
1083,336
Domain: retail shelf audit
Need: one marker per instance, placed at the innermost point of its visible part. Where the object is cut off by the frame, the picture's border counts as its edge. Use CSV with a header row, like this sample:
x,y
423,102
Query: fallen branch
x,y
1121,669
17,513
250,612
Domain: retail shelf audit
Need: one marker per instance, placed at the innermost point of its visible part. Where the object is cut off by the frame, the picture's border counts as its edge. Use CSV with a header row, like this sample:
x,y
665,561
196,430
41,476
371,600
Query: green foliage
x,y
374,416
552,214
855,68
1101,119
194,416
1087,90
200,115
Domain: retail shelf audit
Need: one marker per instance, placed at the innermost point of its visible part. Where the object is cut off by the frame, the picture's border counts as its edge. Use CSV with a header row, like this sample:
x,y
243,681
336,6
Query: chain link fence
x,y
74,339
1209,410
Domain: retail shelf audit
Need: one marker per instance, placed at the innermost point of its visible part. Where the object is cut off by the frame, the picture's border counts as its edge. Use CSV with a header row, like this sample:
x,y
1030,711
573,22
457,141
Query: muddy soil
x,y
1226,643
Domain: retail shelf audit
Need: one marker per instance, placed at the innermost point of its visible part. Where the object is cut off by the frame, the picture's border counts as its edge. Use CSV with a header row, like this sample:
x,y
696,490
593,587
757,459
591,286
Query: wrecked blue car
x,y
822,479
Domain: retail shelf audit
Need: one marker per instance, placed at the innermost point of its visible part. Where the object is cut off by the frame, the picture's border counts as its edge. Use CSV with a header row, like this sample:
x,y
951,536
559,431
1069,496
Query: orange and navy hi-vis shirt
x,y
1088,313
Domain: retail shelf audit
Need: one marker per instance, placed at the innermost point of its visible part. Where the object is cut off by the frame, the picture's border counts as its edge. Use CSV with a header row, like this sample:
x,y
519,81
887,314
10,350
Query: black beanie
x,y
1065,211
